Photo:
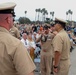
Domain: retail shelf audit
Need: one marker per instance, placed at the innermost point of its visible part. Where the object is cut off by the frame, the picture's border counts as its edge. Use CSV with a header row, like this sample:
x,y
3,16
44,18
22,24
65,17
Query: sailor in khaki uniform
x,y
14,58
46,50
61,45
15,32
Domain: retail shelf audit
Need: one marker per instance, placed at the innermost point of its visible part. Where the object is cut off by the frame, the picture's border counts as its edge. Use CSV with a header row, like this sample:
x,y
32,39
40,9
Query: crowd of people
x,y
21,44
39,39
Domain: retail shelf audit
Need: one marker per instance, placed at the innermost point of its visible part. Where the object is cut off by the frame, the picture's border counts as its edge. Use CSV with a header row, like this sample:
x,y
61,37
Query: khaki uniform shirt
x,y
61,43
14,58
28,27
47,46
15,32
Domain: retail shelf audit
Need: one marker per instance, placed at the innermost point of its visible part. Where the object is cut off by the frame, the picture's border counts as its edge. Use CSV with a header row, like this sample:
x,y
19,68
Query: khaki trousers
x,y
63,67
45,64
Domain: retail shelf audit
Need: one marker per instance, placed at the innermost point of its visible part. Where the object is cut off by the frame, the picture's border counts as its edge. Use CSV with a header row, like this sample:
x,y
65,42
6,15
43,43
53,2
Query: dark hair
x,y
52,25
46,27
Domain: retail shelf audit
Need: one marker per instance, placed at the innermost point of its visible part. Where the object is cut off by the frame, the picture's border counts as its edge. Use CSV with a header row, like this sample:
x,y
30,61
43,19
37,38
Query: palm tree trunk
x,y
38,16
35,17
71,17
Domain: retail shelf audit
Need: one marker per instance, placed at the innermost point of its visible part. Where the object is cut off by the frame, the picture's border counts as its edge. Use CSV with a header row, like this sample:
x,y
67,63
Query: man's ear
x,y
8,20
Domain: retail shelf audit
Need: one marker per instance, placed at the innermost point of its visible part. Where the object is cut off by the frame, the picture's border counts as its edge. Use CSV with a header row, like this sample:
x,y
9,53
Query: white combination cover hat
x,y
6,8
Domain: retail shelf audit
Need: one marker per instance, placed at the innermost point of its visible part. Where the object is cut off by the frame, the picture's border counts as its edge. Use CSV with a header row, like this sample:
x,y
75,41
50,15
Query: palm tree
x,y
25,13
66,15
41,15
42,11
36,14
52,15
70,14
45,13
39,10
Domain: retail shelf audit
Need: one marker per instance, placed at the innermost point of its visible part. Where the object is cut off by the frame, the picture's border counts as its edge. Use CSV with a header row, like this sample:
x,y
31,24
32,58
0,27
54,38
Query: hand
x,y
55,32
50,30
55,70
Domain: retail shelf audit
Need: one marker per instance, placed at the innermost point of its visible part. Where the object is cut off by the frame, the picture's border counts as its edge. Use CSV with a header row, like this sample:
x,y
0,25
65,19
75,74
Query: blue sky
x,y
58,6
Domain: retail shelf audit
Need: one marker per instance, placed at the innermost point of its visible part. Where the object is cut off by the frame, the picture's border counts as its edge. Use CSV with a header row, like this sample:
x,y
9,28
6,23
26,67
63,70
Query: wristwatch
x,y
55,66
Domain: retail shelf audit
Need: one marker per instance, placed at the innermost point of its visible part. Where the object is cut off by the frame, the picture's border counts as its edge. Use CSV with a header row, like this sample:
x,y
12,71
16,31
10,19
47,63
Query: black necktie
x,y
25,43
